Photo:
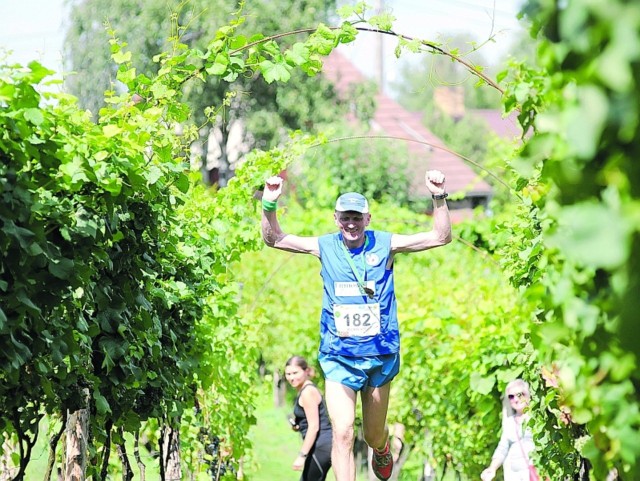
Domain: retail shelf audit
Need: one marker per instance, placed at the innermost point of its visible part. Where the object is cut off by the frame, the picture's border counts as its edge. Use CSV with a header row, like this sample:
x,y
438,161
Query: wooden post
x,y
77,440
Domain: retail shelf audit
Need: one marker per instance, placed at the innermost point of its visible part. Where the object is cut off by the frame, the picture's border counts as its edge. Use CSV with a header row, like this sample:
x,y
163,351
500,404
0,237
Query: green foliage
x,y
92,300
117,278
351,162
226,99
115,285
463,339
581,251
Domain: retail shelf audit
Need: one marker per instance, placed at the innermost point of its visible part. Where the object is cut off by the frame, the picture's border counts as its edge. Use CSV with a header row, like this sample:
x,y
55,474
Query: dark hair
x,y
297,361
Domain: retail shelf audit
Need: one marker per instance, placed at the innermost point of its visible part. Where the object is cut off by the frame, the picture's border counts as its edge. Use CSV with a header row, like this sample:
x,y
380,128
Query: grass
x,y
275,445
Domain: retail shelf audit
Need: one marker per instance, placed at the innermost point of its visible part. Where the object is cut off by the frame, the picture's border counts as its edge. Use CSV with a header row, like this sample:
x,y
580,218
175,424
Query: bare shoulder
x,y
310,396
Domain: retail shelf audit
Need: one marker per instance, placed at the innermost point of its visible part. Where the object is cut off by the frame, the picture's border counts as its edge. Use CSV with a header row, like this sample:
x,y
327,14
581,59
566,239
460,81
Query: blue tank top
x,y
341,294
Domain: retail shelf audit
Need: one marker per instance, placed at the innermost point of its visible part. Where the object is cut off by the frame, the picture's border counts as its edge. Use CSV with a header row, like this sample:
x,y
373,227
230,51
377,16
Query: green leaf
x,y
182,183
508,375
21,351
121,57
323,40
347,33
585,121
238,42
86,226
102,405
154,173
384,21
111,130
22,235
614,66
61,268
24,299
298,54
127,76
100,156
75,171
38,72
345,11
161,91
34,116
220,65
273,72
593,235
481,384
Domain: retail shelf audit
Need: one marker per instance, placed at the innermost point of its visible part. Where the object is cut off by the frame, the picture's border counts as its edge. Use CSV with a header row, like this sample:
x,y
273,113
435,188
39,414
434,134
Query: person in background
x,y
516,442
311,420
359,335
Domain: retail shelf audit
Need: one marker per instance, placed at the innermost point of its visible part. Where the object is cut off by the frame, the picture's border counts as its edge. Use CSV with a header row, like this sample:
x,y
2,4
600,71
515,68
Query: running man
x,y
359,337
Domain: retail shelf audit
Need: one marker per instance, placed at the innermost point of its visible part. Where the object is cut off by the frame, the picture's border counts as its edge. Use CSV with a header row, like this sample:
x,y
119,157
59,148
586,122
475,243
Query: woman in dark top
x,y
311,419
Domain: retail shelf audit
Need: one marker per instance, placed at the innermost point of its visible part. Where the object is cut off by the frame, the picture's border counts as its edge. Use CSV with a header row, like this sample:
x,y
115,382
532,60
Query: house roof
x,y
426,151
504,127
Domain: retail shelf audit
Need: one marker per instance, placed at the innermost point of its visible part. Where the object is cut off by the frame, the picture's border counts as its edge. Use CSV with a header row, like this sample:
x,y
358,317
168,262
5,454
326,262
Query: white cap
x,y
352,201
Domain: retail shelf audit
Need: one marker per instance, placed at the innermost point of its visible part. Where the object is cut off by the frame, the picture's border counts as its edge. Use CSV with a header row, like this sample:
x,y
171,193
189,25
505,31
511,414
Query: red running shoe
x,y
382,463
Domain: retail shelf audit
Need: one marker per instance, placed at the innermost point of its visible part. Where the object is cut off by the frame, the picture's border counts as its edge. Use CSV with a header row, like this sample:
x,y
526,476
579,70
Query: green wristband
x,y
269,206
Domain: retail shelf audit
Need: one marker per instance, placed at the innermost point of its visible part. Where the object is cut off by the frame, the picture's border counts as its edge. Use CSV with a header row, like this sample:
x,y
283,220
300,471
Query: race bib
x,y
352,289
357,319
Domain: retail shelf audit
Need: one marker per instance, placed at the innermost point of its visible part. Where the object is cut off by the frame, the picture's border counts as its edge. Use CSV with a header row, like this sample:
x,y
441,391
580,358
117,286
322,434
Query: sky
x,y
34,29
439,20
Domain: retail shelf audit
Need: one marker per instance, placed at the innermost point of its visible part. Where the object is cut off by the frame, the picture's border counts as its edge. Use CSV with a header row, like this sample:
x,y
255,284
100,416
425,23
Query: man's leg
x,y
341,404
375,401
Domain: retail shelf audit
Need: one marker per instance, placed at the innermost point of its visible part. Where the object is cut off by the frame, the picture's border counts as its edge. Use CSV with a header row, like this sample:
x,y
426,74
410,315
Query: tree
x,y
258,112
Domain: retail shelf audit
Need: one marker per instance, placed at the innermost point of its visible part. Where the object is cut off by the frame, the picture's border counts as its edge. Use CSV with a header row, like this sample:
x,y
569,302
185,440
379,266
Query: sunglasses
x,y
516,395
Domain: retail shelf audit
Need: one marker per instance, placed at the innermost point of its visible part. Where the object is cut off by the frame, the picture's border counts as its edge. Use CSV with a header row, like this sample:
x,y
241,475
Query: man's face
x,y
352,225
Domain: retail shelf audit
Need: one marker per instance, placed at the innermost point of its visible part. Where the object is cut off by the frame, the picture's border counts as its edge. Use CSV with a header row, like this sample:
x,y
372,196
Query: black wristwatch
x,y
439,196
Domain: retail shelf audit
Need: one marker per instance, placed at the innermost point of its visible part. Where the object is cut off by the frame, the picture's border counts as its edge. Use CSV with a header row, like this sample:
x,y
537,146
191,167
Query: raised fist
x,y
272,188
434,179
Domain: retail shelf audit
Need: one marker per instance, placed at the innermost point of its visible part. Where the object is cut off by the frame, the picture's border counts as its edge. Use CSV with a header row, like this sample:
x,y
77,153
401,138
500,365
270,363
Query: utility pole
x,y
379,55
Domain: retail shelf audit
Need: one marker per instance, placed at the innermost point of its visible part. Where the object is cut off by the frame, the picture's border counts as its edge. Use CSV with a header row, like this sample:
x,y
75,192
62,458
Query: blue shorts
x,y
360,372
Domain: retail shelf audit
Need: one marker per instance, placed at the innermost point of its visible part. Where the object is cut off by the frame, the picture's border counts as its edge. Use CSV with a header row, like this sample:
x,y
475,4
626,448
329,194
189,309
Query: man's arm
x,y
272,234
440,234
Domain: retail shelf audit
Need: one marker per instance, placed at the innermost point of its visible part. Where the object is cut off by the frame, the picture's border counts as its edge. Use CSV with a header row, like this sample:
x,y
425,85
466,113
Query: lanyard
x,y
360,279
